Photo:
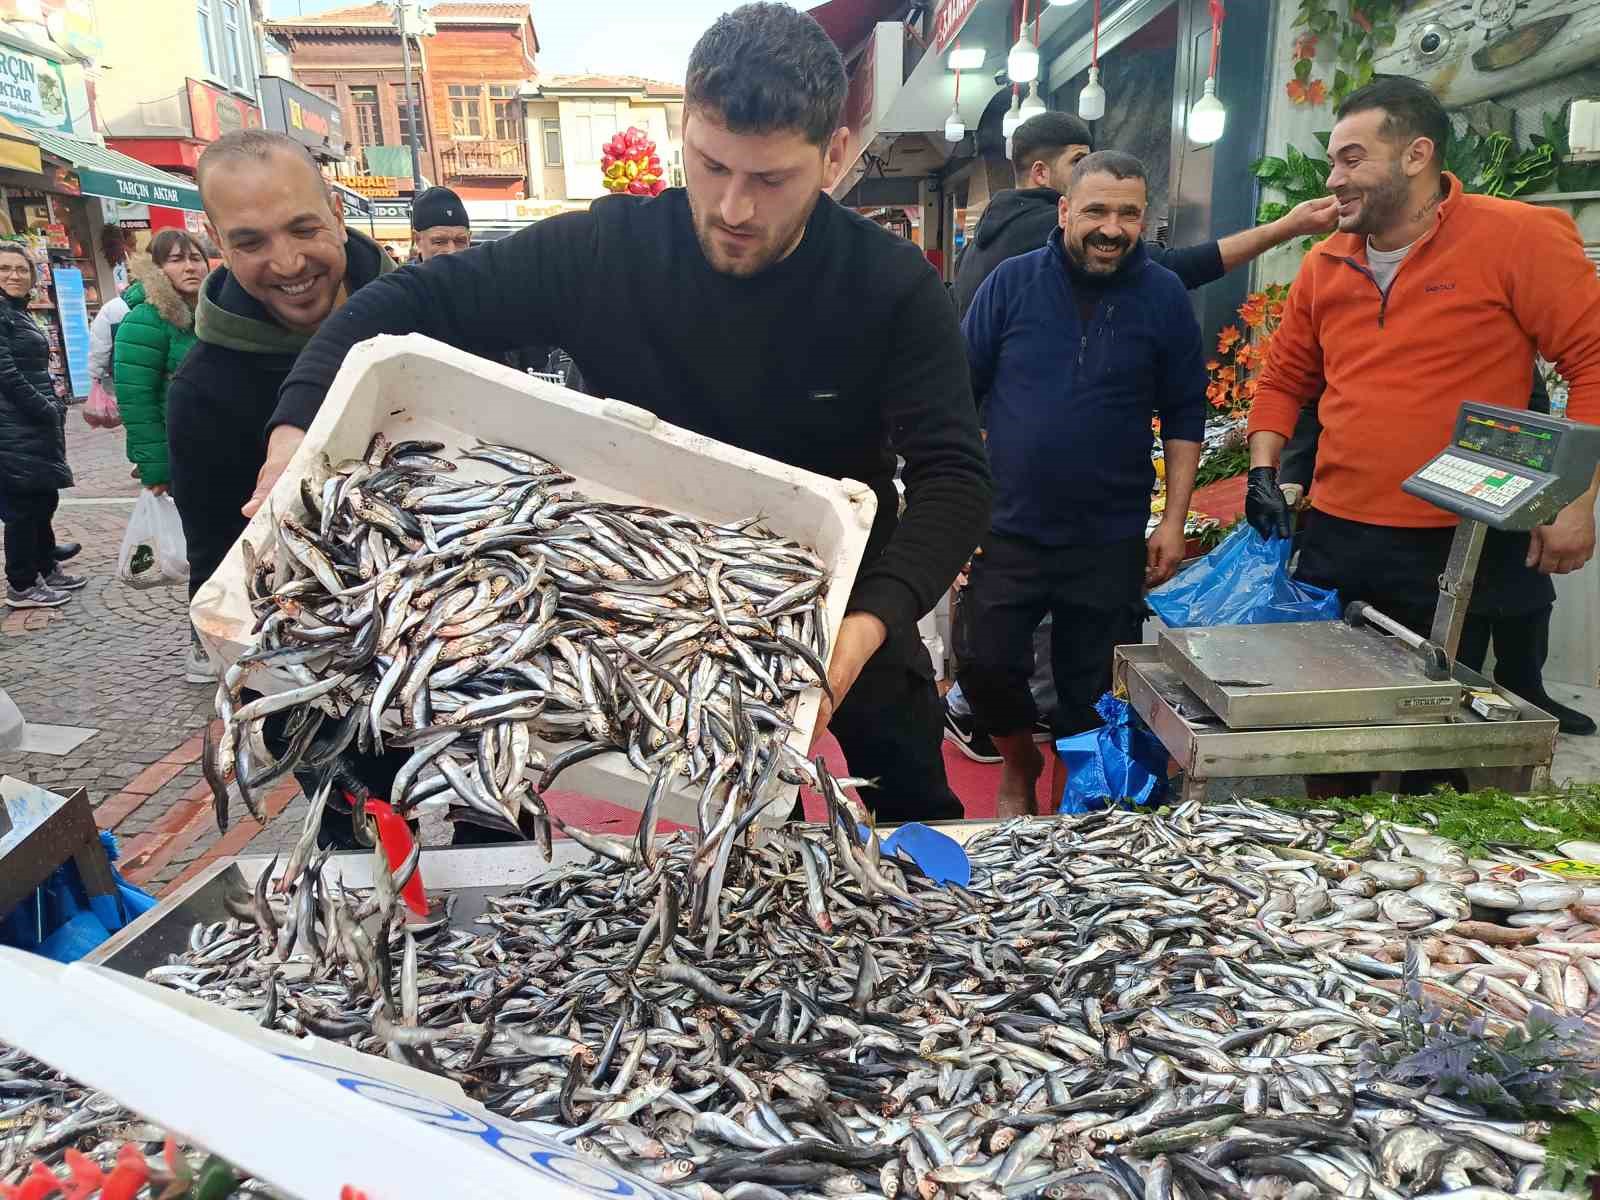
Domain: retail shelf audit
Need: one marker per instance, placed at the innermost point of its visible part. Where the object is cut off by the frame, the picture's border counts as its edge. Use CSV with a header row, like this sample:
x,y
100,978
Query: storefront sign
x,y
70,23
377,186
139,191
32,90
947,23
305,116
214,112
392,210
74,314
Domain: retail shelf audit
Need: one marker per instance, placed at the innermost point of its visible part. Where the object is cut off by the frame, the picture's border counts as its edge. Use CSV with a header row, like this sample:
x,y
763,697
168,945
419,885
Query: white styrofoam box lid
x,y
304,1115
1583,127
415,387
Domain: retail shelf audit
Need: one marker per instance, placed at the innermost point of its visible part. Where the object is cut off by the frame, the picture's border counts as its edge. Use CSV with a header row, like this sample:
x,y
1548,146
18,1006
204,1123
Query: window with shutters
x,y
466,110
238,59
505,106
208,50
369,125
408,112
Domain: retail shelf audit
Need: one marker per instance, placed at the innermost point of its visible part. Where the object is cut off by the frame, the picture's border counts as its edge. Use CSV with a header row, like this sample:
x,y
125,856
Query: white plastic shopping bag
x,y
153,553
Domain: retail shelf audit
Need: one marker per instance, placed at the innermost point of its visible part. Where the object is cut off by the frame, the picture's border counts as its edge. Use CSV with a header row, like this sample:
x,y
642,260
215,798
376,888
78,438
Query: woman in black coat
x,y
33,444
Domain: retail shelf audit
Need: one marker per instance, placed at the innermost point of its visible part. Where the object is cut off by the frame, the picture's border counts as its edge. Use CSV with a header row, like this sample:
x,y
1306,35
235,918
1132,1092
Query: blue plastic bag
x,y
1244,581
62,921
1122,760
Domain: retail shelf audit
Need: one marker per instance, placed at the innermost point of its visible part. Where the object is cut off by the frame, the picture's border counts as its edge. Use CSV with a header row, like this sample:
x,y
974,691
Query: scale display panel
x,y
1507,468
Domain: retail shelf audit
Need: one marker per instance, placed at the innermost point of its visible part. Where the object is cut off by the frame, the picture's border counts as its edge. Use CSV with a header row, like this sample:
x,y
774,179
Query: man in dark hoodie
x,y
289,262
1043,152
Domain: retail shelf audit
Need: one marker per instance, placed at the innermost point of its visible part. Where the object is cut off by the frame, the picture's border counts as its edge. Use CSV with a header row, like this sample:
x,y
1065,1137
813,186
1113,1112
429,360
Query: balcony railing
x,y
502,159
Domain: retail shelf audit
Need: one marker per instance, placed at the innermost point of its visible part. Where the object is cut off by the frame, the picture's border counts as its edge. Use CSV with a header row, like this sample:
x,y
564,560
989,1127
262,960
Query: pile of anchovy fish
x,y
1119,1006
58,1137
471,622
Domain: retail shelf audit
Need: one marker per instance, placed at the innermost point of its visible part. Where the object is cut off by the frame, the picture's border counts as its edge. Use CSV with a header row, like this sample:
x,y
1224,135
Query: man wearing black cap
x,y
439,224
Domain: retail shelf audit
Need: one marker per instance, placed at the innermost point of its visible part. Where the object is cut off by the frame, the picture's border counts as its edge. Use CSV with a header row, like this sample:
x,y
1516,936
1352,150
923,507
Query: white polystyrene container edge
x,y
415,387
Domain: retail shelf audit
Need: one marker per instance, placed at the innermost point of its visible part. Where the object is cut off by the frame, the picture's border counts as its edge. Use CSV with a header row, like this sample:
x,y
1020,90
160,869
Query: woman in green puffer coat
x,y
152,341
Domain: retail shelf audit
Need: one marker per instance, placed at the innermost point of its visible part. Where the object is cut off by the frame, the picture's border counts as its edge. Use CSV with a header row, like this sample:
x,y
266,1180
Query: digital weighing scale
x,y
1366,693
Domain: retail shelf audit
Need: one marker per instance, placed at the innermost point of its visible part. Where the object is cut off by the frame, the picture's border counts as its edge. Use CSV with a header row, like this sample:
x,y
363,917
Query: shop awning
x,y
19,149
103,172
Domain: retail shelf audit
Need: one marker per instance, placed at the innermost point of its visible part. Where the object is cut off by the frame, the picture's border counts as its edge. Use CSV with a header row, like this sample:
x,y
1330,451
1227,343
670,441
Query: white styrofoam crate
x,y
414,387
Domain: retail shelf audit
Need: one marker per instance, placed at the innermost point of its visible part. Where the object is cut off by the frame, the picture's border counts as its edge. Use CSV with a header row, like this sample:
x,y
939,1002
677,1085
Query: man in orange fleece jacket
x,y
1425,298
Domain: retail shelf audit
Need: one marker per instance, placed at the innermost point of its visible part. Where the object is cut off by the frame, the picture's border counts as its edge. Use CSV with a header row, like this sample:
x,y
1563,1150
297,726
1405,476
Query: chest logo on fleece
x,y
1439,287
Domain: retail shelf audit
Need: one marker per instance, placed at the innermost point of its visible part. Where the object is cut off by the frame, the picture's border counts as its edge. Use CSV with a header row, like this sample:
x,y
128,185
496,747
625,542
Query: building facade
x,y
469,64
570,118
478,63
175,77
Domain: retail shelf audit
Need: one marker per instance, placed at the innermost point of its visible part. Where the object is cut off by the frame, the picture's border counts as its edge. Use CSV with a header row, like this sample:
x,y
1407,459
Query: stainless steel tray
x,y
1307,674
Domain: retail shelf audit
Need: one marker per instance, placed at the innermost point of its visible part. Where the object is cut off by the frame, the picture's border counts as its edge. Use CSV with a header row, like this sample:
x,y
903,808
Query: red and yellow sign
x,y
214,112
379,186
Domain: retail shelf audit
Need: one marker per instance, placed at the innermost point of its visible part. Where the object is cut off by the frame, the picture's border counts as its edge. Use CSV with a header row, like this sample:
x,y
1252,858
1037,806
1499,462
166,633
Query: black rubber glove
x,y
1264,504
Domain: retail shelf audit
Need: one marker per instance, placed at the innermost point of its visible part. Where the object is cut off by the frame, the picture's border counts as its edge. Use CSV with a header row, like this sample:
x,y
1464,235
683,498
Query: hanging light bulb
x,y
1207,117
1013,116
954,127
1033,106
1092,100
1022,64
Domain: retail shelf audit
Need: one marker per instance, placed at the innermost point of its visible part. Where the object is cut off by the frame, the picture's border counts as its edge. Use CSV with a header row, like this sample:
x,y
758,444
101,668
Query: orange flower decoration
x,y
1227,338
1296,90
1317,93
1305,46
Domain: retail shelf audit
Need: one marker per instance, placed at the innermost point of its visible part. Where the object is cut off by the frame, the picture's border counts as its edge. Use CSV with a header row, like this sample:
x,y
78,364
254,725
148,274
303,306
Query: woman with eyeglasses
x,y
33,445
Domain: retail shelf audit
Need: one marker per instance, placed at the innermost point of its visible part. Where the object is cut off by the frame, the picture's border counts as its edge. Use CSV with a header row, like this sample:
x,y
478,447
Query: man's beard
x,y
761,252
1380,205
1091,265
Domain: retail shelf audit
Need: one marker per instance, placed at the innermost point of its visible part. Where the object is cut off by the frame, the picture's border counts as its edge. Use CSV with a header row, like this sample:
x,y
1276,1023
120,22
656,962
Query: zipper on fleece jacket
x,y
1103,323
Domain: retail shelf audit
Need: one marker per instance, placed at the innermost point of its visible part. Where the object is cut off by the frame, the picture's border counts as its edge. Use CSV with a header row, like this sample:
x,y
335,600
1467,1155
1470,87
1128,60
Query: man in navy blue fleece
x,y
1073,348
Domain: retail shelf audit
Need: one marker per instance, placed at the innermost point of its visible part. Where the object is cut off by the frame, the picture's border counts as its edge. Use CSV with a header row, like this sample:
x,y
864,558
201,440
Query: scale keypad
x,y
1496,486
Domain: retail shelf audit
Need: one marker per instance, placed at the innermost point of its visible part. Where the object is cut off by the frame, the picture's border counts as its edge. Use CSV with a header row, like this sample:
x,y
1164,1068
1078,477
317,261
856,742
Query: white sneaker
x,y
197,667
38,596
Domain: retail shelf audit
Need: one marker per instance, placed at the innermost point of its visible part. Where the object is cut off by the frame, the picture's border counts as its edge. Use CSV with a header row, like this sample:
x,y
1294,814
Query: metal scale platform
x,y
1367,694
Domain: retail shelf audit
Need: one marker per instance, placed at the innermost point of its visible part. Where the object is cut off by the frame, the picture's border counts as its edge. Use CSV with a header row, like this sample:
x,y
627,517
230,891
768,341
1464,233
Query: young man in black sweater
x,y
753,309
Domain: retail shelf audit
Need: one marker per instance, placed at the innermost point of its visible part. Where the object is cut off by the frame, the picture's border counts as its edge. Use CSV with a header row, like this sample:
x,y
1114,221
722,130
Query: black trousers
x,y
30,537
891,728
1095,596
1397,571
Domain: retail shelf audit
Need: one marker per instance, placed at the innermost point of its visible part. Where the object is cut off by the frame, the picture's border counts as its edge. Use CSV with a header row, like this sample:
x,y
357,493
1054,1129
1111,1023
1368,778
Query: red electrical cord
x,y
958,75
1094,54
1216,33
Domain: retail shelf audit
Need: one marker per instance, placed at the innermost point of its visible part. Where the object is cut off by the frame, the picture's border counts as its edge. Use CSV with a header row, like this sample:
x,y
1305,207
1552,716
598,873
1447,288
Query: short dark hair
x,y
168,241
1410,111
765,67
1109,162
247,145
1046,137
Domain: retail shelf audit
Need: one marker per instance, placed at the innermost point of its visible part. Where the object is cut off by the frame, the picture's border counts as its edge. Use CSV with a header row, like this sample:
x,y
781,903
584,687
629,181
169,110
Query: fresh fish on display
x,y
1121,1004
502,630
